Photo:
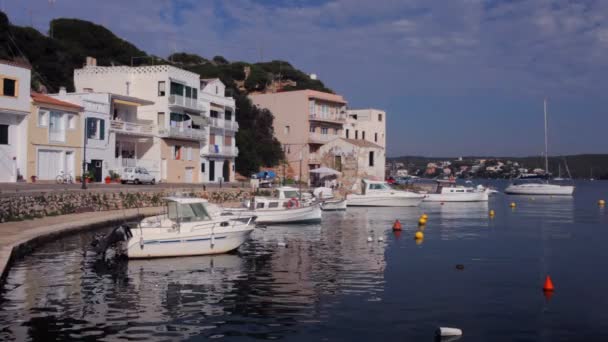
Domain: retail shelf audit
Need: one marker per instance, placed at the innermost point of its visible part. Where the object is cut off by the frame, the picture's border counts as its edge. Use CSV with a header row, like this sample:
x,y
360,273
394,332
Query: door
x,y
96,167
226,171
212,170
70,164
188,174
163,169
49,164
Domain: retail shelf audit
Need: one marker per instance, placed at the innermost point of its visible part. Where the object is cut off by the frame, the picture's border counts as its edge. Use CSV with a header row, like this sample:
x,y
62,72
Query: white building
x,y
14,109
218,156
116,137
180,118
369,125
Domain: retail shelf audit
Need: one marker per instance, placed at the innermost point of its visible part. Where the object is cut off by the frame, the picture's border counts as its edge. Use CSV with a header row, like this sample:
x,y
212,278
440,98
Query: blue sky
x,y
455,77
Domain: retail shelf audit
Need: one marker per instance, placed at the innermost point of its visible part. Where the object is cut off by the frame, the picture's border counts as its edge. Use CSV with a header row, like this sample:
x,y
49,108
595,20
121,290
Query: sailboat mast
x,y
546,142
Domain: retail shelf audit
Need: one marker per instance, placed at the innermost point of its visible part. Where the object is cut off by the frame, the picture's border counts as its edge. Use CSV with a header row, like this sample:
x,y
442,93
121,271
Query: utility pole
x,y
84,155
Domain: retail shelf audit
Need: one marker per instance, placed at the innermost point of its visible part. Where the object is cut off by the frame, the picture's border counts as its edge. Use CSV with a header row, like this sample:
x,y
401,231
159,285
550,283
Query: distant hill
x,y
580,165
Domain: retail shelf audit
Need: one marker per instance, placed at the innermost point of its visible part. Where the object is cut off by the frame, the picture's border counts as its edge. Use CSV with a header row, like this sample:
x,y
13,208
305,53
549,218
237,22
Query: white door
x,y
163,169
188,175
70,164
49,164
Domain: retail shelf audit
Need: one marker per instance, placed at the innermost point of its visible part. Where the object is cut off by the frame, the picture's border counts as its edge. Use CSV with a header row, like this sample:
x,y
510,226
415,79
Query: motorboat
x,y
190,227
328,201
543,188
287,205
380,194
539,189
450,192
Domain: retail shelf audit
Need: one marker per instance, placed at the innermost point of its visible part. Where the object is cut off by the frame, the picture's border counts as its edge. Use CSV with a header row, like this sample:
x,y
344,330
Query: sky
x,y
456,77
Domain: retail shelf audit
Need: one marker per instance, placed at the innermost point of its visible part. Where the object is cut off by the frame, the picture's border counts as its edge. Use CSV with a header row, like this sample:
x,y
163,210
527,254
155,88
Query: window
x,y
57,126
311,129
9,87
189,153
214,114
71,121
380,117
161,120
371,158
177,89
43,118
324,130
347,133
311,106
363,135
161,88
188,92
194,93
273,205
217,91
177,152
356,134
286,130
336,131
96,128
228,115
3,134
375,137
203,167
338,163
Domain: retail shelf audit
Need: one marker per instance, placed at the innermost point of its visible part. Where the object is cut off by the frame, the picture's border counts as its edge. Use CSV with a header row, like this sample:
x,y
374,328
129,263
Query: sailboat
x,y
559,177
541,188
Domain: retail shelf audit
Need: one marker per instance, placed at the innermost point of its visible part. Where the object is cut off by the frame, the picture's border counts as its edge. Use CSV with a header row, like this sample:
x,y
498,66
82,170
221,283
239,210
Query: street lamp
x,y
84,154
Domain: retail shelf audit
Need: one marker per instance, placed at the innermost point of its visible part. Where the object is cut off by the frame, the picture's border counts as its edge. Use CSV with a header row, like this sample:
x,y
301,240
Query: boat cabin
x,y
449,187
373,186
189,209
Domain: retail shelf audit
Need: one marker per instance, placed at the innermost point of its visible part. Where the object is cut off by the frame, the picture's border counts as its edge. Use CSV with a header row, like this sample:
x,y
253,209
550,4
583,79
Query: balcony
x,y
132,128
183,133
317,138
185,103
216,122
221,150
217,99
333,118
231,125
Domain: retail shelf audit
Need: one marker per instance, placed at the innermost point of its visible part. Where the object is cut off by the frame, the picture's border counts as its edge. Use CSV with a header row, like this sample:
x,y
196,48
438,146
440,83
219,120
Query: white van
x,y
136,175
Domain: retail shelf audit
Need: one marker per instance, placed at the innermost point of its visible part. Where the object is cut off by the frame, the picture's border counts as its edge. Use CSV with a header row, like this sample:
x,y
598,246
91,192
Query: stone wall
x,y
26,206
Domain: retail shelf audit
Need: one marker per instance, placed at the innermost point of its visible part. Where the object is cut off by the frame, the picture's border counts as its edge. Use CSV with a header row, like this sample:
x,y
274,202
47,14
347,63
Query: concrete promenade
x,y
19,238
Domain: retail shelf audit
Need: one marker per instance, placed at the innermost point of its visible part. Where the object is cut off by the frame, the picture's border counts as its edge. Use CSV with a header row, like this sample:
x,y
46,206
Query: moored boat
x,y
539,189
380,194
450,192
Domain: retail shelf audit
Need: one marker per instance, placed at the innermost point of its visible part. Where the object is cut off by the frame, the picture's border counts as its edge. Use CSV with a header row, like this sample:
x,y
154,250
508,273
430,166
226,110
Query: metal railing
x,y
221,150
341,117
183,132
132,127
186,102
324,138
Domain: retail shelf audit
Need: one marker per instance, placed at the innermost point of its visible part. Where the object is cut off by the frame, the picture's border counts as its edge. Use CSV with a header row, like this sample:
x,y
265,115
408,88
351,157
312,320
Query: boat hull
x,y
384,201
459,197
540,189
305,214
334,205
160,243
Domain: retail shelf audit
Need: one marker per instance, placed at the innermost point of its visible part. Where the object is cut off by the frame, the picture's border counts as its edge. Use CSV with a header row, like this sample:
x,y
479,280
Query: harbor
x,y
327,281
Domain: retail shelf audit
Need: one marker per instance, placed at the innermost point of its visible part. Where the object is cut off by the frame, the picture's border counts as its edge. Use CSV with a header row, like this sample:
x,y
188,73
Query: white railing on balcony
x,y
186,102
231,125
221,150
324,138
132,128
183,132
328,117
216,122
219,100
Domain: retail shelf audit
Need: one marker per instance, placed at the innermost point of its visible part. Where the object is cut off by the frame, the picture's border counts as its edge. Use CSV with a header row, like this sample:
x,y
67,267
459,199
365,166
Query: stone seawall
x,y
26,206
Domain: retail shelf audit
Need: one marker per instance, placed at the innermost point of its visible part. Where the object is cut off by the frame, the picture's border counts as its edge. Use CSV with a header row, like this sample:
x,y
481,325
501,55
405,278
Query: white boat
x,y
541,188
450,192
191,226
380,194
288,206
328,201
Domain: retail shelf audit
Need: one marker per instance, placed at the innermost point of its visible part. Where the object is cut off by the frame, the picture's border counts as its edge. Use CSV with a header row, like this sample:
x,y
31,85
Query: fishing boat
x,y
380,194
288,205
328,201
191,226
451,192
544,188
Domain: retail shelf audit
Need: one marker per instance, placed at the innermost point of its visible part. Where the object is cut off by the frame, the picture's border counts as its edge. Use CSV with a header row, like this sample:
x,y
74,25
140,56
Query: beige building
x,y
55,138
366,124
304,121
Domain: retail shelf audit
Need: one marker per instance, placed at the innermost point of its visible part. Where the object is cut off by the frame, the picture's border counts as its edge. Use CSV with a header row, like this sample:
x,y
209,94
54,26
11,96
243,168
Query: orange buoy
x,y
548,284
397,225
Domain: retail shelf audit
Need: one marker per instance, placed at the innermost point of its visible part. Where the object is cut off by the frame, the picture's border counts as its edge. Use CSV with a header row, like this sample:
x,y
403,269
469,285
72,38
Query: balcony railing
x,y
216,122
183,133
132,128
231,125
217,99
338,118
224,124
322,138
185,102
221,150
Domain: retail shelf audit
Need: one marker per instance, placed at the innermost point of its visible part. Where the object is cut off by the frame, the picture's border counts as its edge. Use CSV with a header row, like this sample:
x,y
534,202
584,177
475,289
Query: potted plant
x,y
115,177
108,180
88,176
33,178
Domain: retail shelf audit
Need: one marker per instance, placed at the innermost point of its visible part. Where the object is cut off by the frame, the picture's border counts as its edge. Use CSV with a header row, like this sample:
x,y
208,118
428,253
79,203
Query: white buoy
x,y
380,238
446,332
370,239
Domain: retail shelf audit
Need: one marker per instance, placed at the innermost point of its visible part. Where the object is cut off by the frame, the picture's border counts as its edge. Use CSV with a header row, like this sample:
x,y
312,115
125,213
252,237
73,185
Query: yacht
x,y
288,205
540,188
450,192
380,194
191,226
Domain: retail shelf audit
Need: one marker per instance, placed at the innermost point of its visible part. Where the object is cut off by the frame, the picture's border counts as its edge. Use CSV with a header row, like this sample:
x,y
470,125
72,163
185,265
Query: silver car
x,y
136,175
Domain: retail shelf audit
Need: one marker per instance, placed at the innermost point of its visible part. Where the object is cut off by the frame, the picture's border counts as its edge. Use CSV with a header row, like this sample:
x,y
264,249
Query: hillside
x,y
54,59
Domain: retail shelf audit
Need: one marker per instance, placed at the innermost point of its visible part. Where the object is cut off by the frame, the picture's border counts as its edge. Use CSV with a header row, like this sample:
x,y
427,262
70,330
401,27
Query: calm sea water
x,y
330,284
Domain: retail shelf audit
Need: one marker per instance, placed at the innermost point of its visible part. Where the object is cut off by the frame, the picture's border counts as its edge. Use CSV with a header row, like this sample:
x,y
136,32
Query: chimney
x,y
91,61
62,91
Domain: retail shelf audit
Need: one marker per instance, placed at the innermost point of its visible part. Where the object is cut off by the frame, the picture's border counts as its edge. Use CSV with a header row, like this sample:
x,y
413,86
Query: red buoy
x,y
397,225
548,287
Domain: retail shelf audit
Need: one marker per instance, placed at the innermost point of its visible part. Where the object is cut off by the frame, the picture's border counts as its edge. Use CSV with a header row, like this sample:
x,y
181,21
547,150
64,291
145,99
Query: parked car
x,y
390,180
136,175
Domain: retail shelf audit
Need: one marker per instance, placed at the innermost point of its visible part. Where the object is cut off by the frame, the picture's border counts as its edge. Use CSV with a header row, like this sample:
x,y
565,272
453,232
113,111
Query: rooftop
x,y
16,64
362,143
41,98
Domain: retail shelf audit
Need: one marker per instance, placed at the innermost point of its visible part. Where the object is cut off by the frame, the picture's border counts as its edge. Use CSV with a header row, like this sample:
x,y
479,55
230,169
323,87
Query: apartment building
x,y
366,124
304,120
14,110
218,155
56,137
179,118
115,135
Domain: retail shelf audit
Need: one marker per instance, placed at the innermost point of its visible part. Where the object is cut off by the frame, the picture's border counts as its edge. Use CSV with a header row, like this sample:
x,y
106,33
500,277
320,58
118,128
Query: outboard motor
x,y
101,243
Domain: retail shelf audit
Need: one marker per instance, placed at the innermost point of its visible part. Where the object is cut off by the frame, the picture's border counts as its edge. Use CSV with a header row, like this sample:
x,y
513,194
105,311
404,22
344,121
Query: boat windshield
x,y
378,186
187,212
291,194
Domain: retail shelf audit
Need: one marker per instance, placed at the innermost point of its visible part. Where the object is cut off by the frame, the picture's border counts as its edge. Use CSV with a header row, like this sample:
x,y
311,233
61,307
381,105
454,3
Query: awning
x,y
324,171
217,108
